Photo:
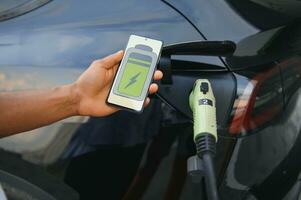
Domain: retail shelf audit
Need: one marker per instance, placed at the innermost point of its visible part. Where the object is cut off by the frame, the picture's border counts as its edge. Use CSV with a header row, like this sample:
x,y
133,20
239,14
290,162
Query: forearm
x,y
23,111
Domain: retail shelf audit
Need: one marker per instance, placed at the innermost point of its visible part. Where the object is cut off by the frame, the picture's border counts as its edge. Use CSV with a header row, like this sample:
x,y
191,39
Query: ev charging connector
x,y
202,104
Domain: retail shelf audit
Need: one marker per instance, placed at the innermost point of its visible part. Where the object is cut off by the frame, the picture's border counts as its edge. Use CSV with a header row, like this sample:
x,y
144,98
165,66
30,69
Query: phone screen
x,y
134,75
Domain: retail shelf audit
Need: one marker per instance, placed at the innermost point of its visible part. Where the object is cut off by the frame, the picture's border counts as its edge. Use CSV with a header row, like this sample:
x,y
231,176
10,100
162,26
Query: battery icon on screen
x,y
134,75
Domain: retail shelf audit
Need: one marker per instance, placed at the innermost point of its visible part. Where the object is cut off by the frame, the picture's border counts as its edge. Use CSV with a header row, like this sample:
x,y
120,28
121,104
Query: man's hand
x,y
93,86
26,110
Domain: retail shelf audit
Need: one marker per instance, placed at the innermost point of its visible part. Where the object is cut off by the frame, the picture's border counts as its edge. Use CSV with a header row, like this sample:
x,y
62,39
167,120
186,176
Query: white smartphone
x,y
135,73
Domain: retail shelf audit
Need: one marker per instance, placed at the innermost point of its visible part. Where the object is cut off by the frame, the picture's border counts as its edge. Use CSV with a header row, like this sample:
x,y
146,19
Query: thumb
x,y
113,59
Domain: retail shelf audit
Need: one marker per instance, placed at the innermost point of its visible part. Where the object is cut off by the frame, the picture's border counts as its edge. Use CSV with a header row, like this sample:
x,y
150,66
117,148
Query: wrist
x,y
73,98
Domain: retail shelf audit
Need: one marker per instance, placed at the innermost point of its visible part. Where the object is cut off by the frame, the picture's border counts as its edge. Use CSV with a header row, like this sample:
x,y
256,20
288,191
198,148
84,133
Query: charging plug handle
x,y
205,48
201,48
202,104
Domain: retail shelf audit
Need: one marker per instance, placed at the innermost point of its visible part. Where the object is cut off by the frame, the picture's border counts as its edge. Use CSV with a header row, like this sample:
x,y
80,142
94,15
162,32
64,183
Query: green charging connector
x,y
202,104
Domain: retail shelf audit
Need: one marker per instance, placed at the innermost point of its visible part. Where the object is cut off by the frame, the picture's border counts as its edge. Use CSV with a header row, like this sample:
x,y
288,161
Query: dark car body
x,y
257,89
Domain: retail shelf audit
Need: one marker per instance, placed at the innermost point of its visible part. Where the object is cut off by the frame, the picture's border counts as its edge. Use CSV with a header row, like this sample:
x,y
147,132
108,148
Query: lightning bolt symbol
x,y
132,80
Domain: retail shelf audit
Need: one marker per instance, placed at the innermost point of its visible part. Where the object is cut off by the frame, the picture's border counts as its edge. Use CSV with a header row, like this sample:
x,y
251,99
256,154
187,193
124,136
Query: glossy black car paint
x,y
54,43
262,159
269,153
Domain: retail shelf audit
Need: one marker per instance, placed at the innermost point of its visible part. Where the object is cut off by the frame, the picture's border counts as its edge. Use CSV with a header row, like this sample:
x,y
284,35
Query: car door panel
x,y
54,44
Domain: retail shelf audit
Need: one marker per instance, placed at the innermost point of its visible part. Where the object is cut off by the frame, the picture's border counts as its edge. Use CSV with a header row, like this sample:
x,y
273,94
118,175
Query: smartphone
x,y
135,73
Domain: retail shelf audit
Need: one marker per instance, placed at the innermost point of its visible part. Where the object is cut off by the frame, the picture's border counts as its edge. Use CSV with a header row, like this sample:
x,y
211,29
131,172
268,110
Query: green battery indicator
x,y
134,75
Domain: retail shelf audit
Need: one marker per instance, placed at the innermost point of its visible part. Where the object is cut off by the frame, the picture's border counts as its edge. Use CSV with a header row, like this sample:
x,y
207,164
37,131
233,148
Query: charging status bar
x,y
134,75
